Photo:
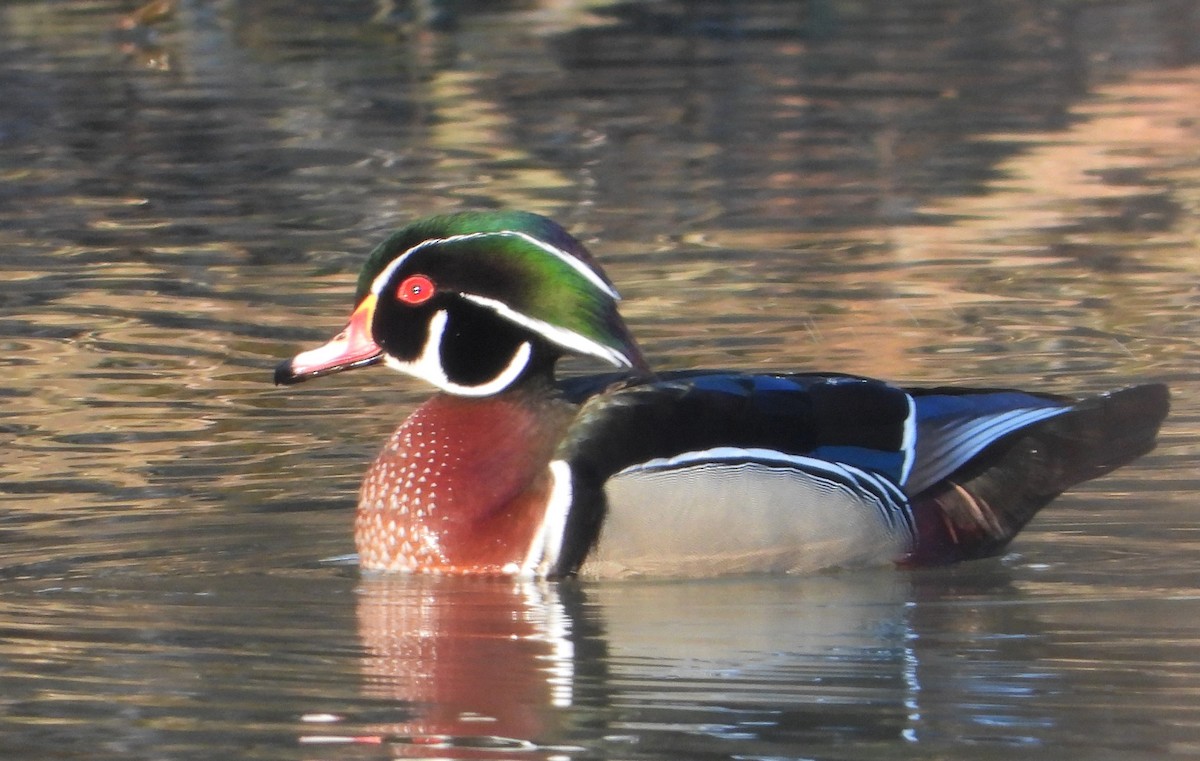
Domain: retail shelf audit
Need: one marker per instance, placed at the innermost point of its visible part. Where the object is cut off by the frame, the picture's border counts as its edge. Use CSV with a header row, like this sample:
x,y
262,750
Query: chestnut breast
x,y
461,485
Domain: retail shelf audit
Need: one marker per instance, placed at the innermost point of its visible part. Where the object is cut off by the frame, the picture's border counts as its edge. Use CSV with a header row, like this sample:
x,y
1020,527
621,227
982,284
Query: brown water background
x,y
996,192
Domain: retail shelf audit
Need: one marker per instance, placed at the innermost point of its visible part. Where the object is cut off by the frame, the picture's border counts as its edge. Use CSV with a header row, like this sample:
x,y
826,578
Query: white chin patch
x,y
428,366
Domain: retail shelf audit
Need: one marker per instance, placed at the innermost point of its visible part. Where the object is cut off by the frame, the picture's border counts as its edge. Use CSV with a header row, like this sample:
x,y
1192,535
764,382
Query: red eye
x,y
416,289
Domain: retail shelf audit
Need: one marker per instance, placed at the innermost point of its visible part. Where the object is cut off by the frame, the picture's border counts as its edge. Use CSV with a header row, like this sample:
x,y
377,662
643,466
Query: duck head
x,y
473,303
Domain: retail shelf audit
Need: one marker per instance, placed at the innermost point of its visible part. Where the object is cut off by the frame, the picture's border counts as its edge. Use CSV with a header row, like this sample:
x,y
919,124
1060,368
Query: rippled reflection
x,y
497,665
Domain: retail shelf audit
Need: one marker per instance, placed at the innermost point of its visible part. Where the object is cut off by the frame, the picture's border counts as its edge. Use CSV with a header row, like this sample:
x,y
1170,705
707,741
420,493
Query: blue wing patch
x,y
889,464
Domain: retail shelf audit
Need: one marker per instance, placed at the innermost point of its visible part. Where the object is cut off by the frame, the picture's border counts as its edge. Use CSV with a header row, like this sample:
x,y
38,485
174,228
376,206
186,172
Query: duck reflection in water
x,y
483,664
545,669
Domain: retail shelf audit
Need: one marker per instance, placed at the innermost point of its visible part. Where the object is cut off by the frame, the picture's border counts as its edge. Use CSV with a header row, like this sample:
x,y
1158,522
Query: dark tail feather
x,y
981,507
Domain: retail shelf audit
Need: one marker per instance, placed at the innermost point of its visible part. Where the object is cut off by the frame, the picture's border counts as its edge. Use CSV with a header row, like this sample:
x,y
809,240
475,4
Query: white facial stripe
x,y
428,366
568,339
386,275
577,265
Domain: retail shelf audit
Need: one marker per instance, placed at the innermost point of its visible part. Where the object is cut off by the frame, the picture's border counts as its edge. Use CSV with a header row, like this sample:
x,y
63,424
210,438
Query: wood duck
x,y
510,471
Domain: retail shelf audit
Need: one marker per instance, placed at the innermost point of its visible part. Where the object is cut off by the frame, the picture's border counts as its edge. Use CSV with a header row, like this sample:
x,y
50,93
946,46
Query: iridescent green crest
x,y
522,266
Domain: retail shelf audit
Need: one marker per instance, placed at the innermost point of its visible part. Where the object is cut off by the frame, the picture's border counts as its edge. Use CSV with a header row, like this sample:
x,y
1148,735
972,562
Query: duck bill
x,y
351,348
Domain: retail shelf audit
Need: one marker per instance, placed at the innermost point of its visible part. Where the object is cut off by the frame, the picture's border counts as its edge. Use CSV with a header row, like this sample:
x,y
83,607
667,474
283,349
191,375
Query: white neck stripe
x,y
428,366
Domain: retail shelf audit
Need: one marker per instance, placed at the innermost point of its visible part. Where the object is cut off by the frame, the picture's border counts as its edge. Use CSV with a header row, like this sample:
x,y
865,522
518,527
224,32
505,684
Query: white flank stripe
x,y
839,474
908,443
756,454
546,547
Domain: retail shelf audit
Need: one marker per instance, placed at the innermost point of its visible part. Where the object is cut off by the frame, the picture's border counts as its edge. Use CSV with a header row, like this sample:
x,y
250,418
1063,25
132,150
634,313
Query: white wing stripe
x,y
942,448
970,439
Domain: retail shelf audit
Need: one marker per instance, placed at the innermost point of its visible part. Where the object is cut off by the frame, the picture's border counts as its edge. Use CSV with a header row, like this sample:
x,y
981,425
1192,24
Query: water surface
x,y
998,193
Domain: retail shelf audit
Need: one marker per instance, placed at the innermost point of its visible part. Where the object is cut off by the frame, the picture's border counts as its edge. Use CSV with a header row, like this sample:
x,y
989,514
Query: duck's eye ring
x,y
416,289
